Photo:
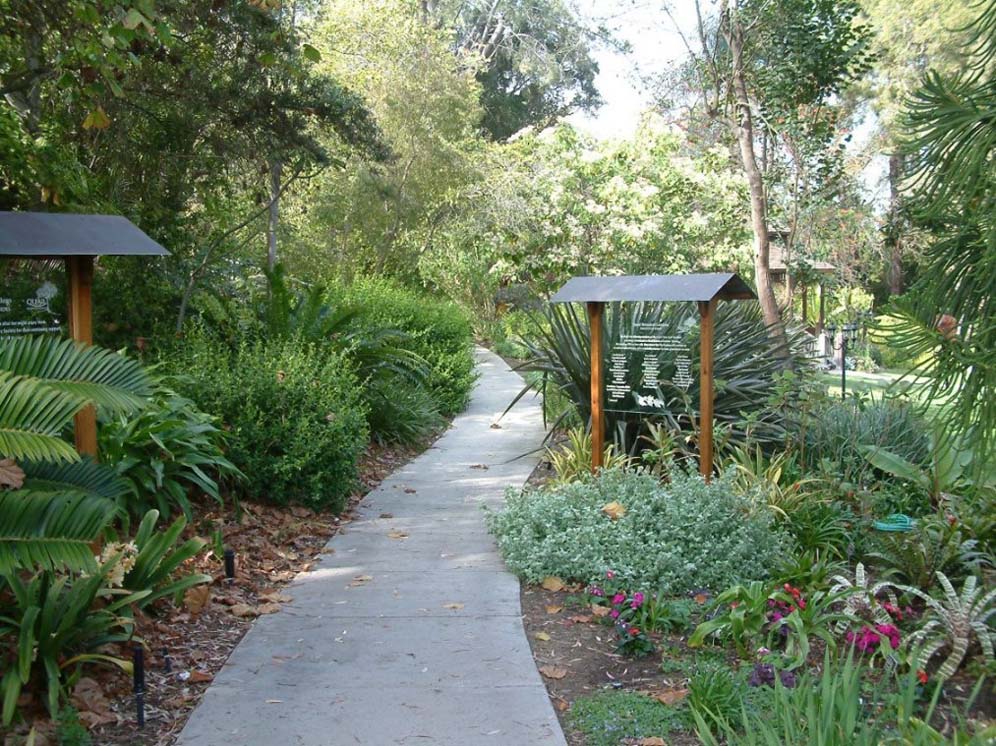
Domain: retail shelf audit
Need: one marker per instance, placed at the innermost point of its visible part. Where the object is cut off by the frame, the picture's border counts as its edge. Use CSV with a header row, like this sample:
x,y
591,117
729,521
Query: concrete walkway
x,y
410,631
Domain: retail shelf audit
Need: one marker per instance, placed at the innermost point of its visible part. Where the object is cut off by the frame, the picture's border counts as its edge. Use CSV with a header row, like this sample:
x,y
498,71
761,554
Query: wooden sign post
x,y
704,289
80,272
706,389
595,314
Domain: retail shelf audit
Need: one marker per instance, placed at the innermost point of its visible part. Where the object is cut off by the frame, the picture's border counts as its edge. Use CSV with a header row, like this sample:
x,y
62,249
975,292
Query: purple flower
x,y
596,591
614,613
637,601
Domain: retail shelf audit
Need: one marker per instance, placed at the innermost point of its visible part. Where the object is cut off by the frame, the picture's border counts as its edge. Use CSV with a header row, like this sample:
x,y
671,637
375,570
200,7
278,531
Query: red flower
x,y
634,631
922,676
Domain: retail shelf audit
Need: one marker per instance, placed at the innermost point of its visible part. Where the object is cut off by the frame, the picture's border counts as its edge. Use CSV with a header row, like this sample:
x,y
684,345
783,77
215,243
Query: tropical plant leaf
x,y
83,476
39,530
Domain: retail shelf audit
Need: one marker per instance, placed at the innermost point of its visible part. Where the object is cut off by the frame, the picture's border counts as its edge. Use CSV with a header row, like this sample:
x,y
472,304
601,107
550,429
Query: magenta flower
x,y
614,613
596,591
637,601
618,598
609,574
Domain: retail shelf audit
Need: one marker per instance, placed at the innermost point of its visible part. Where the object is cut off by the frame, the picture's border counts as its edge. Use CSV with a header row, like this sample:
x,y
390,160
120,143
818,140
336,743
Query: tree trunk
x,y
893,237
273,221
743,130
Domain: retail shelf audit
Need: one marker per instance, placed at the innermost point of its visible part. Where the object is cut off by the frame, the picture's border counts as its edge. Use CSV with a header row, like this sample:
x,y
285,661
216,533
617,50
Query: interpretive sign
x,y
32,299
649,366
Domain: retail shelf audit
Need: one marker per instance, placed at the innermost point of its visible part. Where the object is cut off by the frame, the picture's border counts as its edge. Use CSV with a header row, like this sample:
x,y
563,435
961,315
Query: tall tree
x,y
535,62
767,69
911,36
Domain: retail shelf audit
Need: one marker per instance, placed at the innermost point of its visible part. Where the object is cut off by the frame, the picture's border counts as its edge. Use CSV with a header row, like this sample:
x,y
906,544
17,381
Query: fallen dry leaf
x,y
701,598
554,609
600,611
553,672
652,741
409,490
386,515
360,580
200,677
276,597
196,598
561,704
479,466
580,619
614,510
268,608
542,636
11,475
244,610
395,534
495,426
553,583
670,696
453,606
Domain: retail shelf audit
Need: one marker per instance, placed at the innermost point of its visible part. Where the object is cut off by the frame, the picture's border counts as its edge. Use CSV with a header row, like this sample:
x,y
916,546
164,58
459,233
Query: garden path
x,y
409,630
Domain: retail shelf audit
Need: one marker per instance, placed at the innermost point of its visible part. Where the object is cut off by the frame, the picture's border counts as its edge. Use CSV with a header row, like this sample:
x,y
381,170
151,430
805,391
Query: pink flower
x,y
614,613
618,598
596,591
637,601
609,574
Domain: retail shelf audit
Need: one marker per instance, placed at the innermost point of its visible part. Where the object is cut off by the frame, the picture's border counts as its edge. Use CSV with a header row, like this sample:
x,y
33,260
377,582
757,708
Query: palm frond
x,y
52,532
32,417
91,374
85,476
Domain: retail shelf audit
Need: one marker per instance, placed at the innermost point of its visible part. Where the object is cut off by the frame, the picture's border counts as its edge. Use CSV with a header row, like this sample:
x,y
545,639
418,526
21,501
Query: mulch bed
x,y
186,646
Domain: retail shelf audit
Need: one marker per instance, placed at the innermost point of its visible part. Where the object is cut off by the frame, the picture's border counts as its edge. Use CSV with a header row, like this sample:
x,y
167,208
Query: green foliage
x,y
675,537
572,458
946,320
837,435
611,718
719,690
293,411
936,544
821,527
71,732
64,503
54,625
154,570
437,331
745,365
164,451
401,411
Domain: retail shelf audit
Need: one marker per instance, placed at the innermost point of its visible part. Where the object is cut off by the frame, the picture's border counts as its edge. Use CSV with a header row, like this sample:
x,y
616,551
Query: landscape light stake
x,y
230,565
848,333
167,662
138,683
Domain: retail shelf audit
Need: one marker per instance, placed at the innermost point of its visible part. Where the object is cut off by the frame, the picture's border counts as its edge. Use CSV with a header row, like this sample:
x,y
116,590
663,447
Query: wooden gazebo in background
x,y
76,240
703,289
778,268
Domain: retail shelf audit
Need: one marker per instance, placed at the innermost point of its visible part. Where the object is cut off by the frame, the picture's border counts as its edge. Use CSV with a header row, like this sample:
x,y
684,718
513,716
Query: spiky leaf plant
x,y
952,621
862,596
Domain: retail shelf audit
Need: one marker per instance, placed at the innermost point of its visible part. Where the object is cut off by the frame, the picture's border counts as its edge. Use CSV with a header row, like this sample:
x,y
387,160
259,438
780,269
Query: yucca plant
x,y
572,458
745,366
952,620
56,503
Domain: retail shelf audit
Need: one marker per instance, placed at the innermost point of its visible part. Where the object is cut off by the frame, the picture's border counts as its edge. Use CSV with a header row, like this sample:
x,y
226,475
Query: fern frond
x,y
85,475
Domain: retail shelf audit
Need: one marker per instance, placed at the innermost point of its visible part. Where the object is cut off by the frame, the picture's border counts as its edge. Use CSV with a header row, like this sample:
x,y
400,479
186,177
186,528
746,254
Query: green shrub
x,y
164,451
294,412
835,435
438,331
675,537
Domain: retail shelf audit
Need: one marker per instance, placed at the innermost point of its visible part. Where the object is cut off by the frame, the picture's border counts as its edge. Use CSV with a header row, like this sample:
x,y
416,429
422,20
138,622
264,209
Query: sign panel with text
x,y
32,298
649,367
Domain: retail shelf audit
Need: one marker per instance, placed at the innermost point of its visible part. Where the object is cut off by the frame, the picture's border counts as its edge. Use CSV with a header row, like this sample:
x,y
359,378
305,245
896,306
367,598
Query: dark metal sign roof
x,y
705,287
51,234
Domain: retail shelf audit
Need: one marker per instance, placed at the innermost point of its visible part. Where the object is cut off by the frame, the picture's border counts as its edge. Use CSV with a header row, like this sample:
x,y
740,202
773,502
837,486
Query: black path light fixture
x,y
705,290
848,335
76,240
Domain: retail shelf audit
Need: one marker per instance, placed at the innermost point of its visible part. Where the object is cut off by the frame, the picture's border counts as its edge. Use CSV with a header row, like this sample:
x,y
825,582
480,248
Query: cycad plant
x,y
745,366
55,502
